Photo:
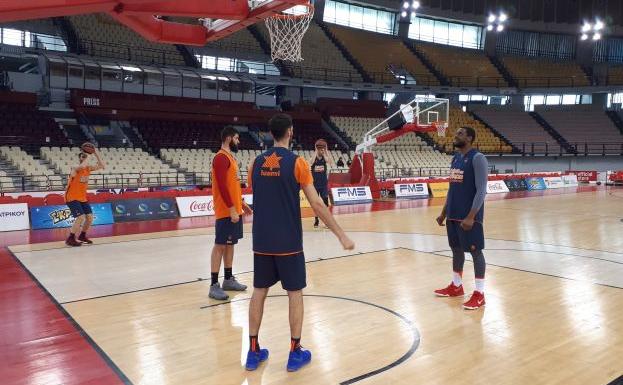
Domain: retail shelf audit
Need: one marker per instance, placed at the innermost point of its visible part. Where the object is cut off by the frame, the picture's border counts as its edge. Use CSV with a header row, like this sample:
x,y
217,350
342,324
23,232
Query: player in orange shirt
x,y
76,198
228,207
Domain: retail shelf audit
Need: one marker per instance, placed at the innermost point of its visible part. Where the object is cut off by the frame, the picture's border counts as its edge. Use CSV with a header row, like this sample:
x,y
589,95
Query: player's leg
x,y
293,279
218,252
265,275
76,211
316,220
86,208
475,243
230,282
455,288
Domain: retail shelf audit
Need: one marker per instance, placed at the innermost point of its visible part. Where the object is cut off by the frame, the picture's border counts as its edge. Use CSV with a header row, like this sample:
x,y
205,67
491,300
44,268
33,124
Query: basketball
x,y
88,147
321,144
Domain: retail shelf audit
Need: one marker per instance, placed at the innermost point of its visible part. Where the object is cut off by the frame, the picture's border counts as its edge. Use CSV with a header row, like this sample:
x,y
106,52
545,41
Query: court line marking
x,y
207,279
544,251
517,269
111,364
414,345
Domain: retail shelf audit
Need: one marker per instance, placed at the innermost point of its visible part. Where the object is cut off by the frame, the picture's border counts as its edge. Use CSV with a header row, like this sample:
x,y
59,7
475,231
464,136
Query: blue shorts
x,y
468,240
228,233
289,269
78,208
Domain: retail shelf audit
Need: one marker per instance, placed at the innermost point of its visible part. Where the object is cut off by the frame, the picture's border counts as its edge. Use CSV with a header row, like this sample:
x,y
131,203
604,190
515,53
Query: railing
x,y
580,148
405,172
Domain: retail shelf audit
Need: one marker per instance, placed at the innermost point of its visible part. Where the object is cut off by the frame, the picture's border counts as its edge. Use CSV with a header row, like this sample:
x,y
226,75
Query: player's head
x,y
464,136
321,147
230,137
82,156
280,126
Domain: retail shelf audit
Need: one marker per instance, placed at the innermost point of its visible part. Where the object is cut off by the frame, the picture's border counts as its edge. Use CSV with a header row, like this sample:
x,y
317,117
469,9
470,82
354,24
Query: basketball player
x,y
76,198
277,176
319,168
228,207
464,209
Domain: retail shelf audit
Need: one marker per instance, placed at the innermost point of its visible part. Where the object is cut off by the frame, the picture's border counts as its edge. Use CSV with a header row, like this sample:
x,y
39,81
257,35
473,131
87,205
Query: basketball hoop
x,y
441,127
286,33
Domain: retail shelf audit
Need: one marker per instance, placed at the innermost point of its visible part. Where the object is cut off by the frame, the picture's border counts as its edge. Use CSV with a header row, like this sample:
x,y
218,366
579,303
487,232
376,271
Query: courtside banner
x,y
552,182
128,210
411,190
584,176
496,186
195,206
14,216
535,184
49,217
439,190
570,180
351,195
516,184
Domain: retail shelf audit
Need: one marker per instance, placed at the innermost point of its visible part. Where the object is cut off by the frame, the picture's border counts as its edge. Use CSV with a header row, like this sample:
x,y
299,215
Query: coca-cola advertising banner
x,y
584,176
201,205
195,206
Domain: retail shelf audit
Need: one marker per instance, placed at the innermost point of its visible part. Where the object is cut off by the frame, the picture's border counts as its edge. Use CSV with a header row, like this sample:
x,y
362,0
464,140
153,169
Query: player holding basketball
x,y
228,207
464,209
320,162
76,196
277,176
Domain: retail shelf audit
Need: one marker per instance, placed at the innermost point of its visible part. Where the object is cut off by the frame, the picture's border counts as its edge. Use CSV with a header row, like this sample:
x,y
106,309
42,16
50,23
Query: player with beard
x,y
464,209
228,207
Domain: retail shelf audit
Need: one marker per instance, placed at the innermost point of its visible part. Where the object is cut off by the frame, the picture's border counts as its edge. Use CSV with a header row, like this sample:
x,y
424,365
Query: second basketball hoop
x,y
286,31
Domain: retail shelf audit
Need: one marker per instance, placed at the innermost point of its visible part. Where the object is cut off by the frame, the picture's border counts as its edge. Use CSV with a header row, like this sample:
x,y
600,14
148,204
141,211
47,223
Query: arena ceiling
x,y
547,11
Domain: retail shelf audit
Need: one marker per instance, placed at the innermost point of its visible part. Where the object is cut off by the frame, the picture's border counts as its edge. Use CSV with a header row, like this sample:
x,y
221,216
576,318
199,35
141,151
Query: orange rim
x,y
310,10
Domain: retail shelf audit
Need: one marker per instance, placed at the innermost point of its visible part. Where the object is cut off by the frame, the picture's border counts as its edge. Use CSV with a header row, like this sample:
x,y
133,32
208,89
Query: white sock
x,y
480,285
457,280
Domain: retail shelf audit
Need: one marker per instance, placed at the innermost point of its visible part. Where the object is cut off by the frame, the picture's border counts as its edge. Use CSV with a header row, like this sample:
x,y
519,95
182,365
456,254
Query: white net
x,y
286,33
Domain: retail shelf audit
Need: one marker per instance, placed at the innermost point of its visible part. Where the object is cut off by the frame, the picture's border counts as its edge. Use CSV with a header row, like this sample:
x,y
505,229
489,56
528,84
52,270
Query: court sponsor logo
x,y
584,176
195,206
535,184
351,195
14,216
411,190
47,217
516,184
128,210
570,180
496,186
553,182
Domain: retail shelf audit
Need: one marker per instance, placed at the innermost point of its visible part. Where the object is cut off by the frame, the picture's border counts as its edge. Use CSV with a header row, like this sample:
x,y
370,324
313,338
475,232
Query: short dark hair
x,y
228,132
81,154
279,125
470,132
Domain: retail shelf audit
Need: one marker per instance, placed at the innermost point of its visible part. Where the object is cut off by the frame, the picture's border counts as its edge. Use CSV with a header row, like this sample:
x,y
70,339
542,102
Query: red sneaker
x,y
71,241
84,239
477,300
450,291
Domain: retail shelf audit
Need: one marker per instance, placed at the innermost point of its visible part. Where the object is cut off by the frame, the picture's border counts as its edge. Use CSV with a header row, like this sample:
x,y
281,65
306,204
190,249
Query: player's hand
x,y
467,224
233,214
246,209
440,220
347,243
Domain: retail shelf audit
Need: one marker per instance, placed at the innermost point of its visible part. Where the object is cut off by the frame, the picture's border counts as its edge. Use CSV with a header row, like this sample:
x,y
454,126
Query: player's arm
x,y
84,164
481,171
442,217
221,164
100,165
245,207
329,158
306,181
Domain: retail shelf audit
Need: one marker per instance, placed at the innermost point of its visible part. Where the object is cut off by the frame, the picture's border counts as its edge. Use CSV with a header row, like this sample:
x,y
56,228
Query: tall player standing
x,y
319,168
464,210
228,207
76,196
277,176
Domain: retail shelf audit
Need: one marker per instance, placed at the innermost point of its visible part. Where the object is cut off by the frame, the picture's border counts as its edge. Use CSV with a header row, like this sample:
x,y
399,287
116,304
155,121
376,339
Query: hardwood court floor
x,y
554,293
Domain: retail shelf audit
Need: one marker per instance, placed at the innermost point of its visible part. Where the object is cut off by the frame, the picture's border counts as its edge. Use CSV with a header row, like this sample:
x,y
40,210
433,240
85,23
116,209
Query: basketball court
x,y
554,289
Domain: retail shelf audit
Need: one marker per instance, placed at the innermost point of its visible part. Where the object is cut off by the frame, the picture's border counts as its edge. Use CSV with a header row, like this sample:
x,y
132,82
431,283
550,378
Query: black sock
x,y
72,235
316,222
214,278
254,345
228,274
83,234
295,343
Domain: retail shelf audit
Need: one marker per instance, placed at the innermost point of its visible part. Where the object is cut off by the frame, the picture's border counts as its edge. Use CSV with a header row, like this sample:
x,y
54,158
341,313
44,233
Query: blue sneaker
x,y
298,358
254,359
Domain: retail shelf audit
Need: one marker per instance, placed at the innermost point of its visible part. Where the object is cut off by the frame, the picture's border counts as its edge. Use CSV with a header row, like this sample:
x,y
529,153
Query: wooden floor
x,y
553,316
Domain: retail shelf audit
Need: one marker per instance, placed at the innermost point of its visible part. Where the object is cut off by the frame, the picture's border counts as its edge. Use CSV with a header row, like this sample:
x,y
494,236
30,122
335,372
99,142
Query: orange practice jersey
x,y
233,186
77,187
